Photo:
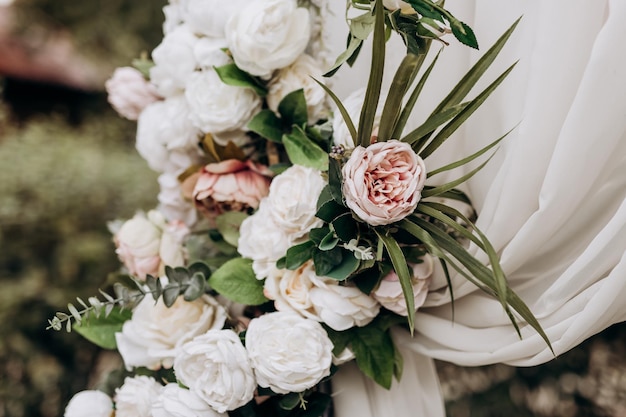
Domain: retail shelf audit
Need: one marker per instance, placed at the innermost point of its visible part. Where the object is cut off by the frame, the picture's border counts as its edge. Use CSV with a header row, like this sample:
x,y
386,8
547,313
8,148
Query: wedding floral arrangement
x,y
294,230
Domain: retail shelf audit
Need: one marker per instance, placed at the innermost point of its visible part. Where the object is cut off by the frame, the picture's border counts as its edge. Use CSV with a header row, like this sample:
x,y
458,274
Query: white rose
x,y
292,200
155,333
174,61
208,17
261,240
129,92
89,404
215,366
166,138
353,104
209,53
215,106
176,401
173,17
268,35
290,290
288,353
135,397
342,307
172,203
298,76
389,293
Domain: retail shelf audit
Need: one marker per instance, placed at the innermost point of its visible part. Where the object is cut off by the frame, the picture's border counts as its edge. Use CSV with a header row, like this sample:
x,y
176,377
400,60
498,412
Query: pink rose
x,y
383,182
129,92
231,185
389,293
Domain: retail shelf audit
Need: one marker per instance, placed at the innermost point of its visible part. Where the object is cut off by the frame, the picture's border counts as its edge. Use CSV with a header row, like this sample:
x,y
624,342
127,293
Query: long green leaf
x,y
342,109
455,123
453,184
436,212
402,270
420,135
372,93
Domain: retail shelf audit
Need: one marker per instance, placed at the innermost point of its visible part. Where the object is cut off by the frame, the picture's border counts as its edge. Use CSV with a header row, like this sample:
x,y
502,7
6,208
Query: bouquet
x,y
294,230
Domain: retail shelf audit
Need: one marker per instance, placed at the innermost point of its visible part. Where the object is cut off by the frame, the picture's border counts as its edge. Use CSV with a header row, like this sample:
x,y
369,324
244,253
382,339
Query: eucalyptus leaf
x,y
101,330
170,294
199,267
196,287
236,281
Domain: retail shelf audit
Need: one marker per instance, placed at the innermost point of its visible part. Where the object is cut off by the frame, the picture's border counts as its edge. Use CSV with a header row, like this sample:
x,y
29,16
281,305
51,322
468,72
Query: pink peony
x,y
129,92
383,182
231,185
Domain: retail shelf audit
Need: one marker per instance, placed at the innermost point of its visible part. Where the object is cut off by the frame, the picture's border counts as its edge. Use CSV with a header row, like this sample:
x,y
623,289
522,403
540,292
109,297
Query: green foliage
x,y
230,74
101,330
236,281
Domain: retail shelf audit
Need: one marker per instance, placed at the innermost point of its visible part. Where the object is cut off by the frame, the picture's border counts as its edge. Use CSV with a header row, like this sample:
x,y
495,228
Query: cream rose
x,y
290,290
382,183
299,75
129,92
217,107
155,334
174,61
176,401
135,397
267,35
172,203
209,52
208,17
215,366
389,293
89,404
342,306
288,353
292,200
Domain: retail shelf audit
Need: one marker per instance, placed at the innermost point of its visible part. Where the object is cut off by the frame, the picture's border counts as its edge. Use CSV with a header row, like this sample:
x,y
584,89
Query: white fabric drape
x,y
552,201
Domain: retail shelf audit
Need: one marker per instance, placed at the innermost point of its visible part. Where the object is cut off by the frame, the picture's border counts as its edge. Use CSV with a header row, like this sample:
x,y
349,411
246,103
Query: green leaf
x,y
335,180
316,405
348,265
266,124
374,353
230,74
196,287
171,293
236,281
177,275
292,108
290,401
199,267
143,65
463,33
420,135
362,26
228,225
329,242
342,110
330,210
354,46
318,233
367,280
326,261
345,226
299,254
101,330
303,151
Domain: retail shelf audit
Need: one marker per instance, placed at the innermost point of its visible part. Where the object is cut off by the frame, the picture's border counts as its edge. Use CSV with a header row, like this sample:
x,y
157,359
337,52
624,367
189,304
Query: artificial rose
x,y
215,106
154,335
135,397
288,353
89,404
215,366
382,183
267,35
353,105
341,307
208,17
146,244
174,61
209,53
262,241
292,200
166,139
176,401
389,293
173,17
172,203
231,185
129,92
290,290
300,75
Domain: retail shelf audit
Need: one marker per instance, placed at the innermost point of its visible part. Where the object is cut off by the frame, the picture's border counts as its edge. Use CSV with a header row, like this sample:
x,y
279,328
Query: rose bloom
x,y
215,366
389,293
129,92
353,105
208,17
174,61
155,333
298,76
172,202
341,307
176,401
288,353
291,290
293,200
89,404
135,397
382,183
230,185
145,244
267,35
209,52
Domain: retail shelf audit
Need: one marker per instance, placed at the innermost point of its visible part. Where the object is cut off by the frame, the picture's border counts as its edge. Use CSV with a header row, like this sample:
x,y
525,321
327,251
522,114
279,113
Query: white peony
x,y
154,335
135,397
173,17
215,106
89,404
166,138
261,240
299,75
342,306
172,203
288,353
176,401
174,61
129,92
209,52
208,17
291,290
267,35
215,366
353,104
292,200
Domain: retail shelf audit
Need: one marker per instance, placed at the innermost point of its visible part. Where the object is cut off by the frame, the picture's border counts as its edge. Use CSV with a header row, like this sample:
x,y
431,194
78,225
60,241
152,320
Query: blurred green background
x,y
68,166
